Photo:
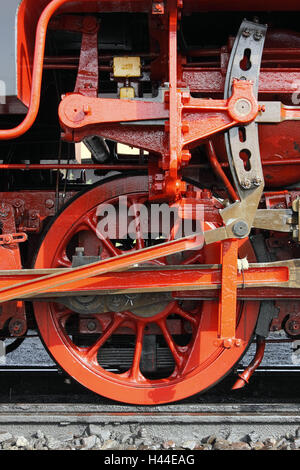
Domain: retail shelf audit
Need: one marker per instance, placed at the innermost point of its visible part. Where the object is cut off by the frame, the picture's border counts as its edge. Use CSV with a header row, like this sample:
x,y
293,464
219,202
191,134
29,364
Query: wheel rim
x,y
186,331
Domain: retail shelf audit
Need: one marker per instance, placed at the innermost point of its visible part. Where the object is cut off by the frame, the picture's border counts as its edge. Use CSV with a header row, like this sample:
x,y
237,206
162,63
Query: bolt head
x,y
257,35
246,33
257,181
92,325
49,203
243,107
246,184
227,343
240,229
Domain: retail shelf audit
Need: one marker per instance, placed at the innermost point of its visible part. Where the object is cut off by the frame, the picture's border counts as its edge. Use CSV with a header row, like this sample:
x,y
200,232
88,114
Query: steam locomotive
x,y
149,204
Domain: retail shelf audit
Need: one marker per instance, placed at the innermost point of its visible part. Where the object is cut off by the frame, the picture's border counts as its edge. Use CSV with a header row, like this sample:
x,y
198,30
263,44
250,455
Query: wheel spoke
x,y
185,315
92,351
174,229
108,244
140,242
192,258
135,368
170,342
63,260
62,316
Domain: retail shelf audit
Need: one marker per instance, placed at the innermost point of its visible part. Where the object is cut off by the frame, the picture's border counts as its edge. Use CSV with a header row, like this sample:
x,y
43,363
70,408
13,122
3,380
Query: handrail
x,y
38,64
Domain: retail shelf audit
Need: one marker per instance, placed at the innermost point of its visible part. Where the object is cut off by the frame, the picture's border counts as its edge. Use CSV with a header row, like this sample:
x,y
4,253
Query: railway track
x,y
166,423
43,400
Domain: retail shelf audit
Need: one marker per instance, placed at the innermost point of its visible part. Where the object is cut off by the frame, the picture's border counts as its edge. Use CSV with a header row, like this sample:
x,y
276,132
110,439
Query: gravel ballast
x,y
100,438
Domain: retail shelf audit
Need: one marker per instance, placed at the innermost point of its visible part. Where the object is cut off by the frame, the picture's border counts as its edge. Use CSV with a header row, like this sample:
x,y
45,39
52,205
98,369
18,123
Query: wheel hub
x,y
141,305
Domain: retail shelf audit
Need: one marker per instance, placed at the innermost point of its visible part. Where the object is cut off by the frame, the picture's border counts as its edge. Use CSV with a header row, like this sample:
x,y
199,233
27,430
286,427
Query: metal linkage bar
x,y
78,275
228,294
203,279
276,112
242,143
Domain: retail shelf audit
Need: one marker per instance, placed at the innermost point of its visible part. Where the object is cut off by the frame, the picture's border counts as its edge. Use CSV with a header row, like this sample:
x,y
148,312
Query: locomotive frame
x,y
238,275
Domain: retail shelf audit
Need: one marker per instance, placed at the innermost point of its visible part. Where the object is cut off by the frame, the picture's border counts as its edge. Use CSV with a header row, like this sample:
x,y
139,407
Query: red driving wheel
x,y
160,353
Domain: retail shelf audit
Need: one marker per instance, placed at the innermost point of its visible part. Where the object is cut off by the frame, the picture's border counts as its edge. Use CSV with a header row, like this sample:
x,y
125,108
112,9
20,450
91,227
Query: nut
x,y
240,229
246,183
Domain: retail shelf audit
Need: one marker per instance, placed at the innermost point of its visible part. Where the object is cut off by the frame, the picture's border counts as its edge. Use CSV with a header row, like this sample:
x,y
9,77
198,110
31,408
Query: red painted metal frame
x,y
228,294
38,61
213,278
189,121
125,261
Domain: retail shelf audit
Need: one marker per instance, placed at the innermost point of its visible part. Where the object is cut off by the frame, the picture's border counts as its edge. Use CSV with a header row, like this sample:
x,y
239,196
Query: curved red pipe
x,y
245,376
38,64
219,170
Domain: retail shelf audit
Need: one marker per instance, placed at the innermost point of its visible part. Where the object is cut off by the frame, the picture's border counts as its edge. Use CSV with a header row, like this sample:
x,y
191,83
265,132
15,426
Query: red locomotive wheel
x,y
162,352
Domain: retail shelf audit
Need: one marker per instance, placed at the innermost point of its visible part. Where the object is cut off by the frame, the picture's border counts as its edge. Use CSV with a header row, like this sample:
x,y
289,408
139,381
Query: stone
x,y
5,436
207,447
134,428
7,445
138,442
89,442
271,441
281,442
125,438
284,447
296,444
251,437
39,444
77,442
142,432
189,445
211,439
169,445
147,442
257,445
21,441
297,432
109,444
103,433
240,446
39,434
221,444
223,434
53,444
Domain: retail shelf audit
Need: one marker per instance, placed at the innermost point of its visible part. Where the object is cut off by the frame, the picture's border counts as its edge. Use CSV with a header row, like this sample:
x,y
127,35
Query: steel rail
x,y
199,413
